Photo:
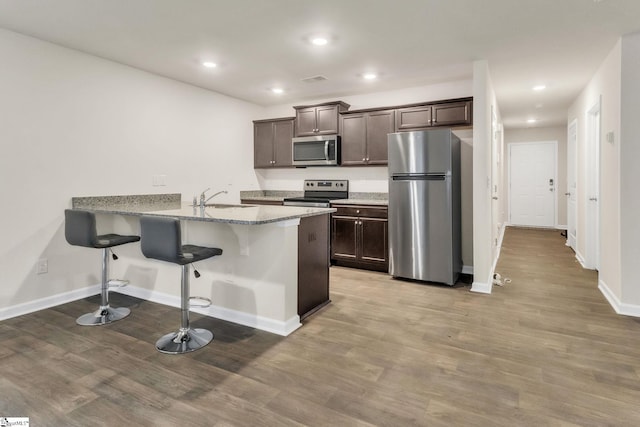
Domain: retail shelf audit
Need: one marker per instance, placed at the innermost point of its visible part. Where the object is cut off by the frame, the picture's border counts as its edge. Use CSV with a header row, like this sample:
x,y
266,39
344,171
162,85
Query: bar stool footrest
x,y
117,283
199,302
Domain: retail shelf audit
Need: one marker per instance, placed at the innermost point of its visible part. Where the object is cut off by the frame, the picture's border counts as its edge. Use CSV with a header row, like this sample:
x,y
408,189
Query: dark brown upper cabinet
x,y
413,117
321,119
450,114
457,113
272,143
364,137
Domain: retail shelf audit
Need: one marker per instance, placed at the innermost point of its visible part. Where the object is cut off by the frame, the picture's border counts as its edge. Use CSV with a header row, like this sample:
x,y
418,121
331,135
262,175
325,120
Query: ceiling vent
x,y
315,79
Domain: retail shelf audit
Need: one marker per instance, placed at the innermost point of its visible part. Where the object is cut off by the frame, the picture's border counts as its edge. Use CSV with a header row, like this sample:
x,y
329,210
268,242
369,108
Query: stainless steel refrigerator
x,y
424,206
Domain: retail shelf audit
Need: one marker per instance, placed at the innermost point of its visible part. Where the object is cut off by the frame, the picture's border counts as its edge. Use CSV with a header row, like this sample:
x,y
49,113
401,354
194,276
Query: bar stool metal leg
x,y
186,339
105,314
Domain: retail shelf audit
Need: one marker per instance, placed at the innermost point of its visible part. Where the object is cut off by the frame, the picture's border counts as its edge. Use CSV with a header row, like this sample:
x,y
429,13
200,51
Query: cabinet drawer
x,y
361,211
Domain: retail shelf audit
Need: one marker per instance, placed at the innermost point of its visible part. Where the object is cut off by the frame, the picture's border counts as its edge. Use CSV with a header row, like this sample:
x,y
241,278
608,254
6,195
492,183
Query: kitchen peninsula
x,y
274,269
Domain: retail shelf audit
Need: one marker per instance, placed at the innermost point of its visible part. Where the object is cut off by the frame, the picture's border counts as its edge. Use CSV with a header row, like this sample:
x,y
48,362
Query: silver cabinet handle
x,y
567,194
593,199
364,159
495,197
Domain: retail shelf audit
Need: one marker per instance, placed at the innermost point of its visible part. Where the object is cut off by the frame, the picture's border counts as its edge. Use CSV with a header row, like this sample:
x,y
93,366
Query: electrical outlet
x,y
42,266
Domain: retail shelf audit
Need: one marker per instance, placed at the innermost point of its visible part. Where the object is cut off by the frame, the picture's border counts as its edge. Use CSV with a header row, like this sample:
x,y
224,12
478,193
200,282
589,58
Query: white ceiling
x,y
262,43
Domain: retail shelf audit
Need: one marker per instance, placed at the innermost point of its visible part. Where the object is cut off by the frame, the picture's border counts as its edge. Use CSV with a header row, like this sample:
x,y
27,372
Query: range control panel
x,y
326,185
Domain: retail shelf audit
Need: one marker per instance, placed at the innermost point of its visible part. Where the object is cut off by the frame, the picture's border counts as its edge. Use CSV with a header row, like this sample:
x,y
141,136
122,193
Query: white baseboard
x,y
619,307
467,269
580,259
48,302
481,288
254,321
561,227
487,287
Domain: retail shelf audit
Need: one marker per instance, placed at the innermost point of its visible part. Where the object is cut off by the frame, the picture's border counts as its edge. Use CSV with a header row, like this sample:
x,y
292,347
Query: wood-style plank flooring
x,y
544,350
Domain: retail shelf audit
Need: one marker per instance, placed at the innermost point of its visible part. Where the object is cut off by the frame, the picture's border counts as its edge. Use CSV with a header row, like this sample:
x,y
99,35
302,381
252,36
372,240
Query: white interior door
x,y
592,258
496,165
572,183
532,183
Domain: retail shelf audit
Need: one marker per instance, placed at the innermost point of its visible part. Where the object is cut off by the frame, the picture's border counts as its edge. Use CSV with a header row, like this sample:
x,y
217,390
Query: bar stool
x,y
161,239
80,230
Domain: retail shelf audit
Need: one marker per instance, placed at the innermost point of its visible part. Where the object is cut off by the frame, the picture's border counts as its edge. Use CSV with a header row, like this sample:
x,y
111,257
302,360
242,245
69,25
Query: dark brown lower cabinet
x,y
359,237
313,264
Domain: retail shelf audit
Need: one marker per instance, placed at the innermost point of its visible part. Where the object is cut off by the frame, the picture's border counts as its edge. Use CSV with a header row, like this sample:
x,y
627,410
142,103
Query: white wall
x,y
629,153
73,124
484,221
606,86
537,134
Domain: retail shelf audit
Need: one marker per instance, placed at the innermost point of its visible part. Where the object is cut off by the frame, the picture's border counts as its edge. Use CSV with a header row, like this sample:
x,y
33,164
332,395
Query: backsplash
x,y
361,179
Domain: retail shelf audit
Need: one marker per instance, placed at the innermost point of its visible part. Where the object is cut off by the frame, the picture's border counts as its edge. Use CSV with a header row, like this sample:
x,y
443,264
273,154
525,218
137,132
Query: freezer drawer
x,y
421,229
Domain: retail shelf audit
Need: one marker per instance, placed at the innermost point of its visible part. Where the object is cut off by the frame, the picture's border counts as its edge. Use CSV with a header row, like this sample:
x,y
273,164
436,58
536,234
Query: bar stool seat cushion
x,y
161,239
193,253
80,230
110,240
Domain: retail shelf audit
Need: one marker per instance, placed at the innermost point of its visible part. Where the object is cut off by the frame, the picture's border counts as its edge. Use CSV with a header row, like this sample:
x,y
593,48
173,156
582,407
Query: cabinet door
x,y
306,121
379,124
343,242
373,239
327,120
354,135
282,135
263,145
413,117
455,113
313,263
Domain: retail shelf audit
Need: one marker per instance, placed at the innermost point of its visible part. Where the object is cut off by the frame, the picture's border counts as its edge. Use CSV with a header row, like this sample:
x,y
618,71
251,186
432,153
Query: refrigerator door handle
x,y
418,177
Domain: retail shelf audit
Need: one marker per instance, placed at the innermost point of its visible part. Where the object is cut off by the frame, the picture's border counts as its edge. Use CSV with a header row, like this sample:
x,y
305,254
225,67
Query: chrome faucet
x,y
203,202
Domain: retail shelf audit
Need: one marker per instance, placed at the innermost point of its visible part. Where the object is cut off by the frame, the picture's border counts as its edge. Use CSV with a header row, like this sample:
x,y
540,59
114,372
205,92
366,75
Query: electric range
x,y
320,193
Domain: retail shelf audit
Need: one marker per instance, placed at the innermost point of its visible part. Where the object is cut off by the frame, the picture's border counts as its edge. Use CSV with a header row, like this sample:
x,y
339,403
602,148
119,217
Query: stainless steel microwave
x,y
319,150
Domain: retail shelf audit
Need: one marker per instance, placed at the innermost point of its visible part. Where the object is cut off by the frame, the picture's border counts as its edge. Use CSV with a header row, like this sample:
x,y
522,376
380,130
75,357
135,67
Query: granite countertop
x,y
173,207
269,195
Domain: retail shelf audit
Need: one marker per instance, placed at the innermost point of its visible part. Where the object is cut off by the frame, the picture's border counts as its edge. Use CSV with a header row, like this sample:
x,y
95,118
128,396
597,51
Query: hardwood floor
x,y
544,350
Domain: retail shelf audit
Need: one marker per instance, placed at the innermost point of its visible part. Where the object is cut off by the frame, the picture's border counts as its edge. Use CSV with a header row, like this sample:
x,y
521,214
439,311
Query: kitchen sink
x,y
225,206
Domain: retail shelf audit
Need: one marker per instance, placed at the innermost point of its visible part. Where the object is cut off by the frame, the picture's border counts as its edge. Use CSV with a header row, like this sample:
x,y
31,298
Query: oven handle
x,y
326,150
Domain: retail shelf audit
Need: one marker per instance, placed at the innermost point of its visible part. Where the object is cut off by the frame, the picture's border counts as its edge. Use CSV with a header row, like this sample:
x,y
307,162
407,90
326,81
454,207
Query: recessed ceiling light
x,y
277,90
538,88
209,64
369,76
531,121
319,41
